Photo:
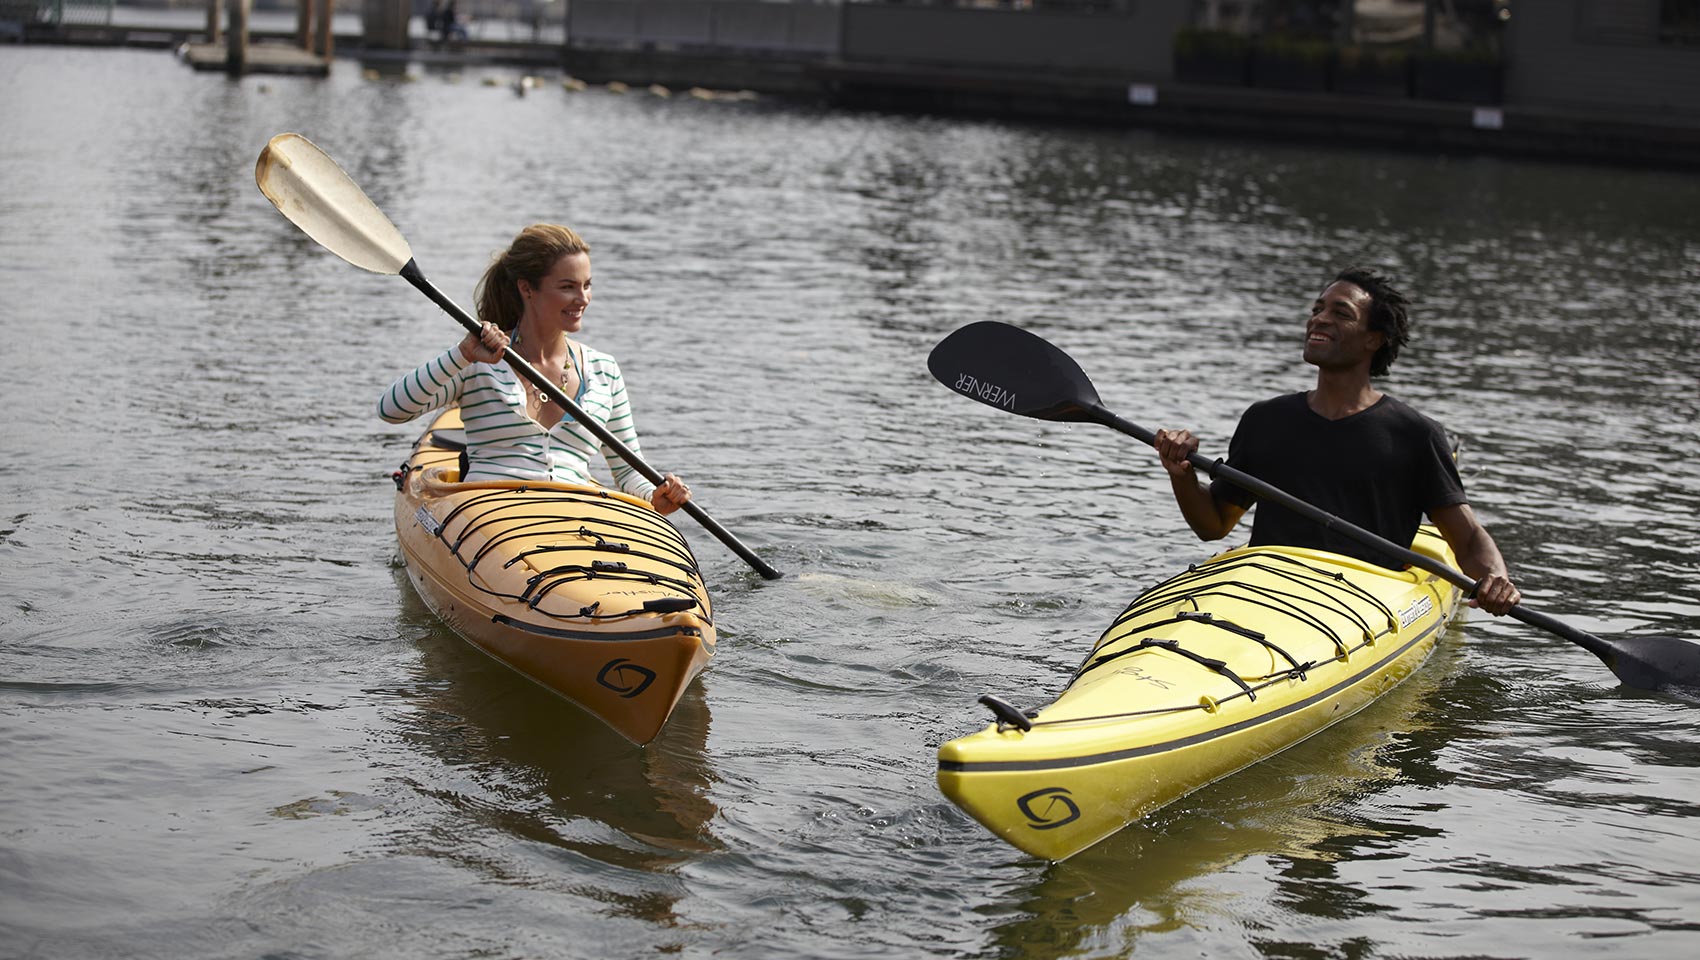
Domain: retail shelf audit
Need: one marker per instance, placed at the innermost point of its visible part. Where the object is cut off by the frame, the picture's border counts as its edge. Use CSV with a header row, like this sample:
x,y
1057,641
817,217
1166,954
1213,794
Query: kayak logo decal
x,y
1048,808
1415,612
427,521
625,677
1138,673
969,385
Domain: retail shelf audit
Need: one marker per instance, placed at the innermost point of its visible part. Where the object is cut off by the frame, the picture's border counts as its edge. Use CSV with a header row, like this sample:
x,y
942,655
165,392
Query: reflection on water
x,y
232,730
581,786
1289,817
1323,833
527,785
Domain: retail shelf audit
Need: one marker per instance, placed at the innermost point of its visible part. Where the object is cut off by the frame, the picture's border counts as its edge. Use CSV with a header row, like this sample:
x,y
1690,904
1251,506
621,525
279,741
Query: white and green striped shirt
x,y
502,442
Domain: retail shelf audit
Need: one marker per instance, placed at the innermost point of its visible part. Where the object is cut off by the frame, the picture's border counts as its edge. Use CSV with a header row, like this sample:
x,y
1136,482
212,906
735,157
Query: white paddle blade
x,y
316,195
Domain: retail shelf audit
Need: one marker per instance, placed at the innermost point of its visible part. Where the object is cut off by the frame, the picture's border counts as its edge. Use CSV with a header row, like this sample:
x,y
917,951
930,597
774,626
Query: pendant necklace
x,y
534,393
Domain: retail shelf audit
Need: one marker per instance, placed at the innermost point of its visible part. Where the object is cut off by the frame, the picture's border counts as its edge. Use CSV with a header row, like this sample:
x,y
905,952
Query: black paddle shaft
x,y
1006,367
415,276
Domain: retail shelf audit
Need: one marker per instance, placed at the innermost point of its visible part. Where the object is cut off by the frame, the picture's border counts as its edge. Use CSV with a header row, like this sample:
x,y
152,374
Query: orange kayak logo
x,y
625,677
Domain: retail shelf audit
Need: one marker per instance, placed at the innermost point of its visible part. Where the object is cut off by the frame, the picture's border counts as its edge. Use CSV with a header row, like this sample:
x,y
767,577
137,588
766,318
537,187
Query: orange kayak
x,y
584,590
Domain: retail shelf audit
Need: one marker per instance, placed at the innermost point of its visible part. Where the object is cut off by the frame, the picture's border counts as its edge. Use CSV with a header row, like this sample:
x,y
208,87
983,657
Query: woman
x,y
532,297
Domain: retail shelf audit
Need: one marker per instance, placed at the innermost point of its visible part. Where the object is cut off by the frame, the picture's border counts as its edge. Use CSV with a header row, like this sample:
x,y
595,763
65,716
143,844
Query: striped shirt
x,y
502,443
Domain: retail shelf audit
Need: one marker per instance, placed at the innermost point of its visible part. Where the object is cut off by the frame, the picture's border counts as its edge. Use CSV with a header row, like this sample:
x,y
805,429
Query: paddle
x,y
1008,368
316,195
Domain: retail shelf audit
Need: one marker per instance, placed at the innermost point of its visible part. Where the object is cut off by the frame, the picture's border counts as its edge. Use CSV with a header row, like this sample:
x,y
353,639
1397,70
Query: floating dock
x,y
262,58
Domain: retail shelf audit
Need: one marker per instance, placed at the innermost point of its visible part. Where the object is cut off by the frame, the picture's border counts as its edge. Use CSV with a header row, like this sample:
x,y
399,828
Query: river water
x,y
230,729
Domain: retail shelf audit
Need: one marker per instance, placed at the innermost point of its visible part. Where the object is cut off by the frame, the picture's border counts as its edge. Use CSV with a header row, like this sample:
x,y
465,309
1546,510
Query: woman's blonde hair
x,y
530,258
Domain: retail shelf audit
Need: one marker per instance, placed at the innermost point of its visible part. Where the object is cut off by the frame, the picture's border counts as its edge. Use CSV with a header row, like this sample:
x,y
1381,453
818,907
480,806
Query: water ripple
x,y
233,730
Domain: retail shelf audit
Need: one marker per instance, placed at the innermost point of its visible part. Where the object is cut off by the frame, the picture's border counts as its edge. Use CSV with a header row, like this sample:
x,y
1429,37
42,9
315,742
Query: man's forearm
x,y
1480,556
1203,514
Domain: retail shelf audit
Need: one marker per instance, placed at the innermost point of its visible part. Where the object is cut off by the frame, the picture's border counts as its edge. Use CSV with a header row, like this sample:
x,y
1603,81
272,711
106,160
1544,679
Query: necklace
x,y
533,393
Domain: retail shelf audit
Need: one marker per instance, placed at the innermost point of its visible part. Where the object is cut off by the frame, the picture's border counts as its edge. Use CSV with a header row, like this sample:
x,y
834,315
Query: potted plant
x,y
1212,56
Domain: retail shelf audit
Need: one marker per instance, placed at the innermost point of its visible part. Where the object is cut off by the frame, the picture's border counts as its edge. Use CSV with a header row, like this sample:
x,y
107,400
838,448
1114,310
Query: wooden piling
x,y
327,36
236,47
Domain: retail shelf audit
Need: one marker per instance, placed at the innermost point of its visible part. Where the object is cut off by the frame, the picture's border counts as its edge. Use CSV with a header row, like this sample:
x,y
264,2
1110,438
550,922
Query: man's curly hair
x,y
1388,314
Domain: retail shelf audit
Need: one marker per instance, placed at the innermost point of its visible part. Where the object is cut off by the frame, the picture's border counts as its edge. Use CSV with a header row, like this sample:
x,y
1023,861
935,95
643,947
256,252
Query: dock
x,y
227,46
285,58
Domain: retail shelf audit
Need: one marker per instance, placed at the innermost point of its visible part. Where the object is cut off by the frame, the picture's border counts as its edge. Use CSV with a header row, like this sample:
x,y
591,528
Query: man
x,y
1347,448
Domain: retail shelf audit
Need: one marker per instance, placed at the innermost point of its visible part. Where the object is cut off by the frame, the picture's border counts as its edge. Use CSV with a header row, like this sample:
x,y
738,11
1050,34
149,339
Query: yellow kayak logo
x,y
1048,808
1415,612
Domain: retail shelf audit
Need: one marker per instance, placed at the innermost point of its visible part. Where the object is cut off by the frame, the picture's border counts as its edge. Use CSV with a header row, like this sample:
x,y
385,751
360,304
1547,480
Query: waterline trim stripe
x,y
660,634
1062,763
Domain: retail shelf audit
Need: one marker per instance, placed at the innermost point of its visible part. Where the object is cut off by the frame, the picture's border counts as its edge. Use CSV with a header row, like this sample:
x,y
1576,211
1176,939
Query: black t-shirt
x,y
1382,469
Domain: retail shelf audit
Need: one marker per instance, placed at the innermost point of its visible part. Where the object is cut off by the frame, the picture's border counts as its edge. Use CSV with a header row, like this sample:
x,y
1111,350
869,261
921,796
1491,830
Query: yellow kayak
x,y
1232,661
585,590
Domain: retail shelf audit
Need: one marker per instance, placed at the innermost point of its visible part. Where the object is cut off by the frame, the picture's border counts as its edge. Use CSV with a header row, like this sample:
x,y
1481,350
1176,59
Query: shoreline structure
x,y
1551,88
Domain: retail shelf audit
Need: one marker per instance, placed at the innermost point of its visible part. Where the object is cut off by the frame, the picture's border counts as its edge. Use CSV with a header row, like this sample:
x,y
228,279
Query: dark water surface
x,y
229,729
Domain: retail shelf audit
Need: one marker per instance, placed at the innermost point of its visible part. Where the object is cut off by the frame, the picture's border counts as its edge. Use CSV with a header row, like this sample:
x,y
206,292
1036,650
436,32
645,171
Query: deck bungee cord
x,y
1208,619
495,501
1320,592
1006,713
545,525
598,570
1209,663
1222,623
1323,584
451,440
494,507
532,496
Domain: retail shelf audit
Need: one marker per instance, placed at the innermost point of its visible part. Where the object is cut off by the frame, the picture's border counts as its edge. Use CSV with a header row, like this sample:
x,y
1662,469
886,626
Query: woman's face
x,y
561,297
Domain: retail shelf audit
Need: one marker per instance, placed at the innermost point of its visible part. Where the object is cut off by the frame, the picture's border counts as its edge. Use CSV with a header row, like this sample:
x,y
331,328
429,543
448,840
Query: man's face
x,y
1337,336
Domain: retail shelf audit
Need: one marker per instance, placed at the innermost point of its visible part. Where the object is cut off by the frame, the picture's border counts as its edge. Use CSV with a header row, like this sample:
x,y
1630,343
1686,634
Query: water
x,y
231,730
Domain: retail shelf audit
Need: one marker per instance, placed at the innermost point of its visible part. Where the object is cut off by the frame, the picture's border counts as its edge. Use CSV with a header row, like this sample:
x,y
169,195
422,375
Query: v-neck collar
x,y
1327,419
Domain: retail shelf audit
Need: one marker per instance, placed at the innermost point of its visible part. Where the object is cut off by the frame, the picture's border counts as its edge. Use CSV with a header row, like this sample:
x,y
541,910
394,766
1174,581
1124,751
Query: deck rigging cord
x,y
1314,591
479,512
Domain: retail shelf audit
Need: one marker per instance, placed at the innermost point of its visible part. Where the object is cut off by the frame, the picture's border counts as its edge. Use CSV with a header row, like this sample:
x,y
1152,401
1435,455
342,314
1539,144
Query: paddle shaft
x,y
1263,491
415,276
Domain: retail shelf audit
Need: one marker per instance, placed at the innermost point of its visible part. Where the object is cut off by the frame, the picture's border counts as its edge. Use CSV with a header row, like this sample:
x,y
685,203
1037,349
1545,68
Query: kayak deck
x,y
1226,664
587,591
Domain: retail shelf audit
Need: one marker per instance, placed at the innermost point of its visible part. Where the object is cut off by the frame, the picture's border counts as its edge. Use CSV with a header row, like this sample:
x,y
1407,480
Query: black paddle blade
x,y
1006,367
1642,662
1652,663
